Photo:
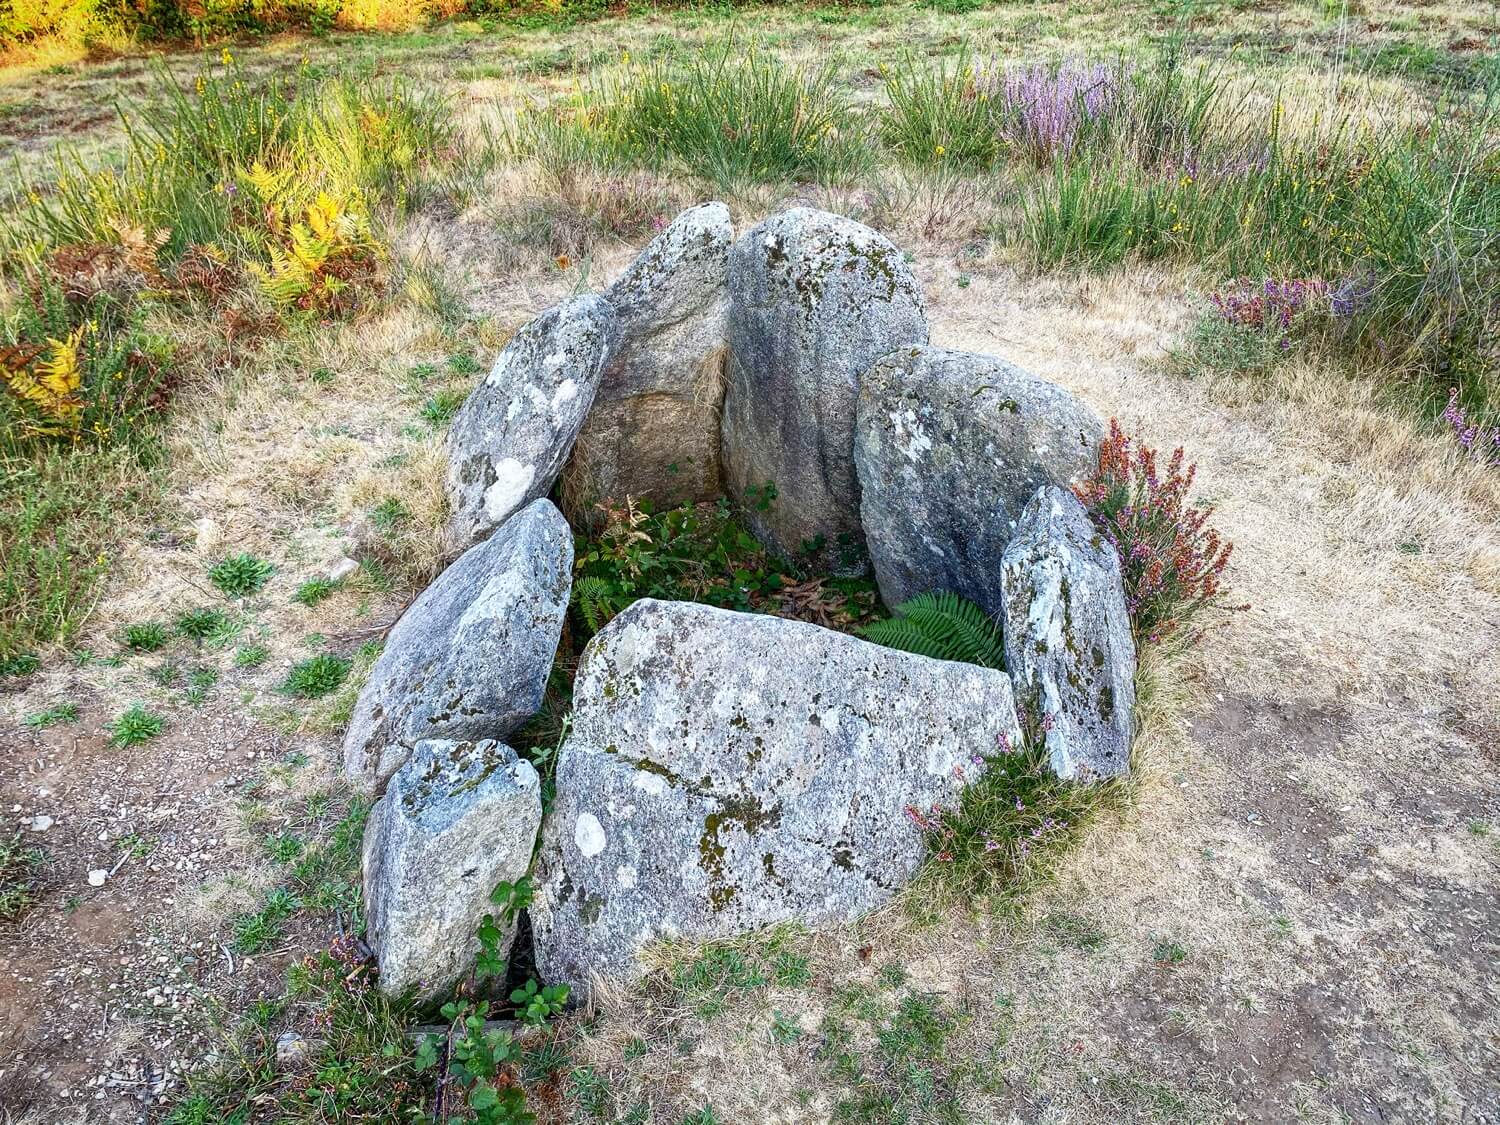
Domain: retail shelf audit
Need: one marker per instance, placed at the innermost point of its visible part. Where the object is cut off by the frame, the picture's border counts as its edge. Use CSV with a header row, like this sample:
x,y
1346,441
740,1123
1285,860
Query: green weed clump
x,y
239,576
135,726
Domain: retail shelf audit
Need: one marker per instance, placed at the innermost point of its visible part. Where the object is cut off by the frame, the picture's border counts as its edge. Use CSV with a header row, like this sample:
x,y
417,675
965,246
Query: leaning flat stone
x,y
458,818
510,439
470,657
815,299
653,432
726,771
950,447
1068,645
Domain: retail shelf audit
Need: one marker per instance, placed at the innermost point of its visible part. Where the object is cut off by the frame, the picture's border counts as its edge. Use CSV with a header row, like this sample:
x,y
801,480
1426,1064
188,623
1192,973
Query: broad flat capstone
x,y
950,447
511,438
1068,645
726,771
815,299
458,818
653,432
470,657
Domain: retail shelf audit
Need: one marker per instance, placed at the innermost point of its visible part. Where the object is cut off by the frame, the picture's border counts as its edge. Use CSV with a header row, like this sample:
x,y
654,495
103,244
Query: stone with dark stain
x,y
1068,645
512,436
458,818
950,447
653,431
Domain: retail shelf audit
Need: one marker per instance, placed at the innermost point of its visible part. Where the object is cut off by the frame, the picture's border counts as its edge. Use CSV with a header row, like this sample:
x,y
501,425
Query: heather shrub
x,y
1247,327
1172,562
1479,440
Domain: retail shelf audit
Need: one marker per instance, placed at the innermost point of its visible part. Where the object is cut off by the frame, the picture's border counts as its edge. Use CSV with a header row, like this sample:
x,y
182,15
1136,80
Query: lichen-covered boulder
x,y
815,299
1068,646
470,657
458,818
511,438
725,771
950,447
653,432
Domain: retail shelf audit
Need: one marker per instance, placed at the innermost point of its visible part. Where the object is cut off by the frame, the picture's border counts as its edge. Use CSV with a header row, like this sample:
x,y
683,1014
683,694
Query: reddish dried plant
x,y
1171,560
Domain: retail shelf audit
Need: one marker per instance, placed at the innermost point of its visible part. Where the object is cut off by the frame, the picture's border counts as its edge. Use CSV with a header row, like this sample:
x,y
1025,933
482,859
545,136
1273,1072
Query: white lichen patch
x,y
505,495
589,835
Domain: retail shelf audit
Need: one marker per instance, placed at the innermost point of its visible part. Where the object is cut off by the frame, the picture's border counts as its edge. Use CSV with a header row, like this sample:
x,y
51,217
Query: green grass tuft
x,y
317,676
145,636
241,575
135,726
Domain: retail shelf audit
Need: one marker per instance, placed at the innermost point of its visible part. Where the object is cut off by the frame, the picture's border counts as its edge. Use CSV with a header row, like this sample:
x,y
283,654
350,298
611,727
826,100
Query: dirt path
x,y
1299,921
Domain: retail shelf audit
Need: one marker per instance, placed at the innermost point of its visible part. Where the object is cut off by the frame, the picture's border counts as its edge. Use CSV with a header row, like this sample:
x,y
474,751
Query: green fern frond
x,y
594,598
942,626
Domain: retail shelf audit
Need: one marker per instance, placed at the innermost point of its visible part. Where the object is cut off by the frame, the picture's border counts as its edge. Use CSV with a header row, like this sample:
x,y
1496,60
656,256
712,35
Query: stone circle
x,y
726,770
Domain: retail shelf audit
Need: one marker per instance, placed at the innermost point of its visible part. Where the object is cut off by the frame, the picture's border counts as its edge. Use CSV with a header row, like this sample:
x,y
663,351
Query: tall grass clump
x,y
729,114
942,114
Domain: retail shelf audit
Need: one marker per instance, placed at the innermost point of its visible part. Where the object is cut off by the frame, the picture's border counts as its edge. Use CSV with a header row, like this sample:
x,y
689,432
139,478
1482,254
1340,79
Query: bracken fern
x,y
943,626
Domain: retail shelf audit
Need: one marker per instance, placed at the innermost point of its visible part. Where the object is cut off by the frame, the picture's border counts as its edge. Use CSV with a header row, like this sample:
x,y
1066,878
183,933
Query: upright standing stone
x,y
653,432
815,299
512,436
471,656
950,447
725,771
1068,646
458,818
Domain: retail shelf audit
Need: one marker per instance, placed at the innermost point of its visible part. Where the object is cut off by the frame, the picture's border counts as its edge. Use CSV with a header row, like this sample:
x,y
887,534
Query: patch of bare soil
x,y
109,993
